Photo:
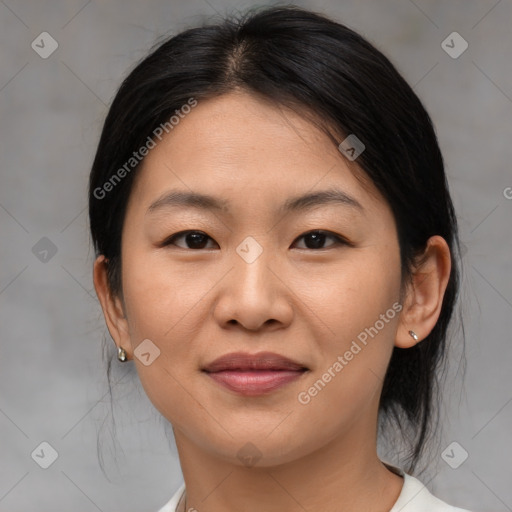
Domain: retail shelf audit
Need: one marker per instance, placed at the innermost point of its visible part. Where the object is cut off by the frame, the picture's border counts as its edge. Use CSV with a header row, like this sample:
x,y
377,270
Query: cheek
x,y
351,294
160,296
360,306
161,304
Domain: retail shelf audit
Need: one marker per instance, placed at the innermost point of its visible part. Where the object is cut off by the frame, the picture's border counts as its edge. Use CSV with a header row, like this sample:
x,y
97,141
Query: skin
x,y
303,302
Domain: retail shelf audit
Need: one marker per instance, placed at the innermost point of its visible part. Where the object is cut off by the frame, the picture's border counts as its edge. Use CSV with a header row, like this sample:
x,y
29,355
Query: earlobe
x,y
112,307
425,293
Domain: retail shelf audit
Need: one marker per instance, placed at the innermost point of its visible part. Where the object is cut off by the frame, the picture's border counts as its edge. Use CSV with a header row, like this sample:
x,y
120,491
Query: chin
x,y
259,447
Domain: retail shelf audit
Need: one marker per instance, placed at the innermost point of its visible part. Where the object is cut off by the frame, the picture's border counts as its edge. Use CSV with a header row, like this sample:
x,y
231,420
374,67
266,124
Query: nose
x,y
254,294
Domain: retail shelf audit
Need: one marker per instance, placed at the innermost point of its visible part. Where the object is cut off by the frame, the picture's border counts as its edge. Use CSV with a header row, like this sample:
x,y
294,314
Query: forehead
x,y
239,127
239,144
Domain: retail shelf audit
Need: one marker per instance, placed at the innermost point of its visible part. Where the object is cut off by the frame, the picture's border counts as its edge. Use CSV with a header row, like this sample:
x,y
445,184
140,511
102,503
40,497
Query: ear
x,y
113,309
425,292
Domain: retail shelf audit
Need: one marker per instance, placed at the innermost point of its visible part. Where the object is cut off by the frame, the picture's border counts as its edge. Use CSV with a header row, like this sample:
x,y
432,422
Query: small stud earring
x,y
413,335
121,354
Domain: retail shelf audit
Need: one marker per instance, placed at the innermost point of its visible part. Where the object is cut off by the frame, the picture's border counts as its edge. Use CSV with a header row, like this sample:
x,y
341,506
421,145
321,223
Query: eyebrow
x,y
178,198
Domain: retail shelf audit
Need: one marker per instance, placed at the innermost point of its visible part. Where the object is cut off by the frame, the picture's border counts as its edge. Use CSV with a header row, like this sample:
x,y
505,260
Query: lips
x,y
245,362
254,374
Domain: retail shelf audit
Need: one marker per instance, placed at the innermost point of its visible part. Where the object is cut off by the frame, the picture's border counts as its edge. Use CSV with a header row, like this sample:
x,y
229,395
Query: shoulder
x,y
171,505
415,497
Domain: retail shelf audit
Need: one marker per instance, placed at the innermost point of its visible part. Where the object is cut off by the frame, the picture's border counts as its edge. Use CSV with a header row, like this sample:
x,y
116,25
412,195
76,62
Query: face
x,y
252,270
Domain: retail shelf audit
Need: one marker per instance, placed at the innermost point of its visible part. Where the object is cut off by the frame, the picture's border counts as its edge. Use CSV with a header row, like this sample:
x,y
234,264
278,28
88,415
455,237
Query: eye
x,y
195,239
316,239
199,240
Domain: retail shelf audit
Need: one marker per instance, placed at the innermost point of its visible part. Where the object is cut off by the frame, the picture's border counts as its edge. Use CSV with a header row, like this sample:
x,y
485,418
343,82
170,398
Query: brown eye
x,y
193,239
316,239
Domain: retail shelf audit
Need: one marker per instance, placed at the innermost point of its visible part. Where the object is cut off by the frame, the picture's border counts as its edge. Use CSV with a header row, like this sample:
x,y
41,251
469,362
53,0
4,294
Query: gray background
x,y
52,375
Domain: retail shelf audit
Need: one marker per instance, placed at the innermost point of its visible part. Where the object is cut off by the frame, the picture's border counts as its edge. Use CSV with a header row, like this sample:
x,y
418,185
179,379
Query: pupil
x,y
196,240
317,239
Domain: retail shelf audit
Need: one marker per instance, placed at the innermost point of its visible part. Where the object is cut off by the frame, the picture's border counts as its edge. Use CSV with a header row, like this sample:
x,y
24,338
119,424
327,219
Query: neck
x,y
343,475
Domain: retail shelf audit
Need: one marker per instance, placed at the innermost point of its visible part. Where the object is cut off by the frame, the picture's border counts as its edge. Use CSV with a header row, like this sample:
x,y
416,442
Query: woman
x,y
276,252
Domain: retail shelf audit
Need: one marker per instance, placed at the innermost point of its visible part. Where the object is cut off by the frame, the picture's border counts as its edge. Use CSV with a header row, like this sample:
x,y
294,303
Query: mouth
x,y
254,374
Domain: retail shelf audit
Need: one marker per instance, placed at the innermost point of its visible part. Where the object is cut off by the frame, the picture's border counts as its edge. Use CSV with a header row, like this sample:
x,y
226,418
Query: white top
x,y
414,497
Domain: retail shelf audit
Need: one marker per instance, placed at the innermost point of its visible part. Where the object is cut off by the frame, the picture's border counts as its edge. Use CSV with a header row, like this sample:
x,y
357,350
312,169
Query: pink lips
x,y
254,374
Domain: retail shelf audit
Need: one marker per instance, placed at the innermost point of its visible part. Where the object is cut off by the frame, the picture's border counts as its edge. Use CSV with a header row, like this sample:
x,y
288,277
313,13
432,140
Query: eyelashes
x,y
319,235
199,240
196,237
